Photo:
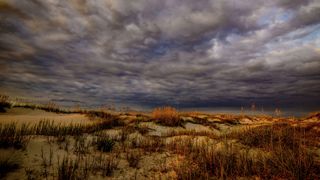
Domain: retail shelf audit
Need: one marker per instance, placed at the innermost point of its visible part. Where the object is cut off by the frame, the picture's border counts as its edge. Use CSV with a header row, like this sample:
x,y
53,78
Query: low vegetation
x,y
133,157
104,143
4,103
277,134
9,162
124,146
167,116
12,136
203,161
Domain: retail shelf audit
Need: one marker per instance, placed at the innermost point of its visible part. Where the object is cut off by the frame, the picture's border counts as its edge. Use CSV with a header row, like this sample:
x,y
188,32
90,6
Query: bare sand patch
x,y
29,116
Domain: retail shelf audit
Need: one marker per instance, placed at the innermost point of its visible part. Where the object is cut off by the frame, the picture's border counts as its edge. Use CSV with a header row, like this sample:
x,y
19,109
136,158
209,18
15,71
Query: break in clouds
x,y
170,52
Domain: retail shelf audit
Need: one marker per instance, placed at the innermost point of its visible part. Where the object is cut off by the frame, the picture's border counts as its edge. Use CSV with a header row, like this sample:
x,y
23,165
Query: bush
x,y
168,116
104,143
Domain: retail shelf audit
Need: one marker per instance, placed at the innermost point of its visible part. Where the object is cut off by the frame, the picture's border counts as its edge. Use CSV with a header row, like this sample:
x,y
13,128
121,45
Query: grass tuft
x,y
13,136
167,116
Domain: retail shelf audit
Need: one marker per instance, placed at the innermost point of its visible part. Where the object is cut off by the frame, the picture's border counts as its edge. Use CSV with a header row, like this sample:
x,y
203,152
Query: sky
x,y
147,53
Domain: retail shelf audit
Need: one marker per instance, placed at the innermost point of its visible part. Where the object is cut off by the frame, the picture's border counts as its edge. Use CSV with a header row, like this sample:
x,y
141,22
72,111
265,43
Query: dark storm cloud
x,y
147,52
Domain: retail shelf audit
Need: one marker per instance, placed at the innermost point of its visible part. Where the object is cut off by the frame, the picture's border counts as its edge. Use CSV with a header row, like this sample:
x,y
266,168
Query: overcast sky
x,y
186,53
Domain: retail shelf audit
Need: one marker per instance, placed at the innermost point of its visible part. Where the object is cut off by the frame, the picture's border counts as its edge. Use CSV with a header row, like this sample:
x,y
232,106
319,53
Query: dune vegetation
x,y
163,144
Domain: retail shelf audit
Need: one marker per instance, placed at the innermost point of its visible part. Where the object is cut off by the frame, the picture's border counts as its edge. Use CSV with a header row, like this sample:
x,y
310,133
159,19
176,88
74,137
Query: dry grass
x,y
298,163
13,136
315,115
282,150
9,162
104,143
76,167
167,116
192,133
192,113
48,107
18,136
202,161
149,144
133,157
277,134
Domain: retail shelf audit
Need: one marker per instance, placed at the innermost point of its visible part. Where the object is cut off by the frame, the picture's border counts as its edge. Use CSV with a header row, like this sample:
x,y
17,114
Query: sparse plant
x,y
188,170
133,157
46,162
142,129
4,103
191,133
13,136
9,162
31,173
124,133
149,144
68,169
93,115
81,145
63,142
105,164
109,165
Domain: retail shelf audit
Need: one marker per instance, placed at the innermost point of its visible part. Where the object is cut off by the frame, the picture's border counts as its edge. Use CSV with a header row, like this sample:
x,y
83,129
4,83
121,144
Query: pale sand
x,y
29,116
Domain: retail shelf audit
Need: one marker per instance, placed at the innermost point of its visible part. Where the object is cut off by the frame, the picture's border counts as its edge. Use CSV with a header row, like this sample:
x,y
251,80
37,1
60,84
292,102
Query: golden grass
x,y
167,115
192,113
192,133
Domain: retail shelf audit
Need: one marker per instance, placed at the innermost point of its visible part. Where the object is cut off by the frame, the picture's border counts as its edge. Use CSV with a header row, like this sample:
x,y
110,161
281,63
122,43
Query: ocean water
x,y
284,112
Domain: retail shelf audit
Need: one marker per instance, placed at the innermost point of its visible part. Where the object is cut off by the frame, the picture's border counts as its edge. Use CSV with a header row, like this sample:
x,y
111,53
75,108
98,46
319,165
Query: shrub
x,y
104,143
168,116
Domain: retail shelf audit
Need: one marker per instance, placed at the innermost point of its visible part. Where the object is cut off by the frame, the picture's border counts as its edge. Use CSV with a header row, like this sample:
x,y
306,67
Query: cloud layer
x,y
149,52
